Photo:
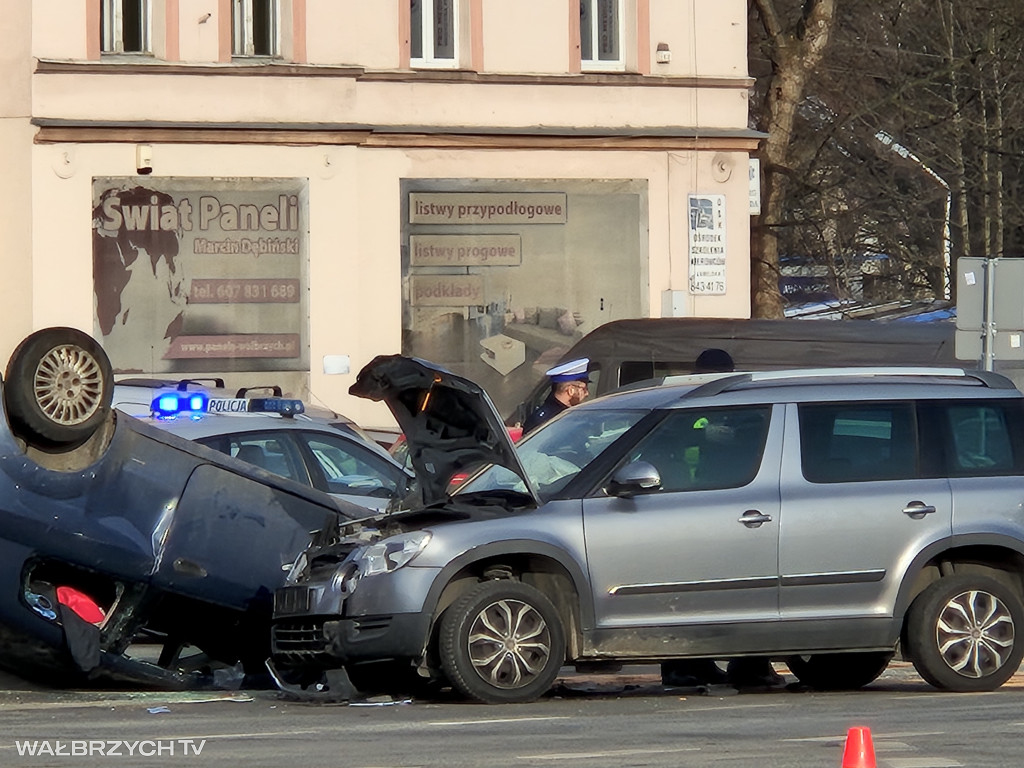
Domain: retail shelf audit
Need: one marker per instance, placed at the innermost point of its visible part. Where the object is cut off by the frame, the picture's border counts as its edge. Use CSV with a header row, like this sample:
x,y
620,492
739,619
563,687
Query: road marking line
x,y
923,762
610,753
875,736
730,708
500,720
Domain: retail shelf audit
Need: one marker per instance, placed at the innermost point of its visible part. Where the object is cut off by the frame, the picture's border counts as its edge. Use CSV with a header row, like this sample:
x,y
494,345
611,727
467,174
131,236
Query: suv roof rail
x,y
985,378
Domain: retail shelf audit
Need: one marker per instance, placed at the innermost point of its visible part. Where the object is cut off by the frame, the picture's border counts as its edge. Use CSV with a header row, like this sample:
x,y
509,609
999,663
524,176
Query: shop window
x,y
434,30
125,26
601,35
254,28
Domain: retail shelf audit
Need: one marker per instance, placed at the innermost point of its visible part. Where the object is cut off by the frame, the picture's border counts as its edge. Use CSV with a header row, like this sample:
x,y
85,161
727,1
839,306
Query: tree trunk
x,y
795,52
961,221
998,240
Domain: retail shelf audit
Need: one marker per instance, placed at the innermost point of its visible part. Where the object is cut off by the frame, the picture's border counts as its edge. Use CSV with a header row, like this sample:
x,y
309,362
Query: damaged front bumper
x,y
337,623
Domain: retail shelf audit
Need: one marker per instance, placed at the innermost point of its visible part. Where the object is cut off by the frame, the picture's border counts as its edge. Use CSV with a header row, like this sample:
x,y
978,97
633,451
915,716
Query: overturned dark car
x,y
113,532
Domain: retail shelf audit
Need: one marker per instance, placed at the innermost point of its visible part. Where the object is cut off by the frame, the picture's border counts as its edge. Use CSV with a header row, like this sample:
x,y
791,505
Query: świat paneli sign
x,y
201,274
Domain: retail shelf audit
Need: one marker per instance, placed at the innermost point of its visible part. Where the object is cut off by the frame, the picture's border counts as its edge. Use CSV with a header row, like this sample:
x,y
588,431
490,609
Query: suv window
x,y
985,438
705,449
856,442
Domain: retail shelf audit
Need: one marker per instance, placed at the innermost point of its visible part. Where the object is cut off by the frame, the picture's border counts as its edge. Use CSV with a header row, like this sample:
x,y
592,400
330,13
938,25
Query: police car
x,y
324,451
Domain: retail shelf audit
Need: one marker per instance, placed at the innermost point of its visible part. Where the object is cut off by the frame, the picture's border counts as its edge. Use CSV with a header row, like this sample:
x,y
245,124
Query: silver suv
x,y
829,518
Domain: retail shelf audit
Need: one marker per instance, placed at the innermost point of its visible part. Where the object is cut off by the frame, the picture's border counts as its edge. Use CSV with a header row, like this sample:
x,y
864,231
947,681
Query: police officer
x,y
570,385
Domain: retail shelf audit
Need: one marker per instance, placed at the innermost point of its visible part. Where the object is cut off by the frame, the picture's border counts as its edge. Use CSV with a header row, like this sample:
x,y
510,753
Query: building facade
x,y
276,191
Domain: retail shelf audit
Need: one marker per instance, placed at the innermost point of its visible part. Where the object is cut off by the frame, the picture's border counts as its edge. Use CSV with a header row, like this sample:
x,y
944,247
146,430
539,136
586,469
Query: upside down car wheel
x,y
58,388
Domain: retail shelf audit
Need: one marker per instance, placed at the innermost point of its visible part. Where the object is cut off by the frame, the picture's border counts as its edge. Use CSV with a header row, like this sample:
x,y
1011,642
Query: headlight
x,y
392,553
345,578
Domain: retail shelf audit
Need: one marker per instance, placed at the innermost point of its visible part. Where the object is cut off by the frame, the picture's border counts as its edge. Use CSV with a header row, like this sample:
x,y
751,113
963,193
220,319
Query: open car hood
x,y
450,423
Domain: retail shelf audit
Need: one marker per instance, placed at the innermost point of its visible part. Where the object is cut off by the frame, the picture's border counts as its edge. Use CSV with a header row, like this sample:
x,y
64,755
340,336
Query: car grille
x,y
299,638
292,600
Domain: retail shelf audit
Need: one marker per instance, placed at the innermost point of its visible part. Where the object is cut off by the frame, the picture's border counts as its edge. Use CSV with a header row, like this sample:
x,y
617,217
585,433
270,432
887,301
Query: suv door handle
x,y
918,509
753,519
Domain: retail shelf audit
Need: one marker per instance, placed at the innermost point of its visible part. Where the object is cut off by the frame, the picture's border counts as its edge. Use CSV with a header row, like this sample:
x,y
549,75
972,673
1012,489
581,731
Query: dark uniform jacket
x,y
547,410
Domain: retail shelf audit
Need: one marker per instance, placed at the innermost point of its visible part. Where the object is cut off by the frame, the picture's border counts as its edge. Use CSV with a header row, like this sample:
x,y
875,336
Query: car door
x,y
860,500
703,548
984,458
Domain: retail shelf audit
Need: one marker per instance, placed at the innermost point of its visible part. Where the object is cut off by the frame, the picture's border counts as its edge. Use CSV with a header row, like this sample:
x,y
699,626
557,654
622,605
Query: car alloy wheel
x,y
502,642
975,633
962,633
68,385
509,643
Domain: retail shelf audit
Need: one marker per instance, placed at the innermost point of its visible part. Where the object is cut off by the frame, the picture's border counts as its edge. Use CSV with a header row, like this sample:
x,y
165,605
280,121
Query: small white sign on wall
x,y
707,244
755,186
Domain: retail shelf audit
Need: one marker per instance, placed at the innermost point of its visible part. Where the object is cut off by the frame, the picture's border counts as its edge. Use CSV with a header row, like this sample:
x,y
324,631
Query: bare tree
x,y
895,143
795,45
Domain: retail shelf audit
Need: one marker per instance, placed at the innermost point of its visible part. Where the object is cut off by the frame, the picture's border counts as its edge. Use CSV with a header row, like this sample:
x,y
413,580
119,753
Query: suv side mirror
x,y
633,479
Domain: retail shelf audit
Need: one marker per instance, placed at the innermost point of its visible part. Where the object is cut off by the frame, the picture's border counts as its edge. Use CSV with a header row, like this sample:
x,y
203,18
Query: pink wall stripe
x,y
93,34
299,31
172,26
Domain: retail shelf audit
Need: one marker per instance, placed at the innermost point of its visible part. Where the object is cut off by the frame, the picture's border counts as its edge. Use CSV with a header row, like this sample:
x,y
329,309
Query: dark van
x,y
624,352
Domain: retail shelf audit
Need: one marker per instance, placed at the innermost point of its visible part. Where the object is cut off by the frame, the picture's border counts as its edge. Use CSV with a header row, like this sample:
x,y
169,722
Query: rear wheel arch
x,y
997,557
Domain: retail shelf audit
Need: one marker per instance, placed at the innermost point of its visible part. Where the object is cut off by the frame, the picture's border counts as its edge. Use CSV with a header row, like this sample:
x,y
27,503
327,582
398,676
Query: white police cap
x,y
574,370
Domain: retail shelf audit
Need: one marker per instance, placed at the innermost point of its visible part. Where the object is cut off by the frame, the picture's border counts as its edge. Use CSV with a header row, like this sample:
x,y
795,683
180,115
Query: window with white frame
x,y
254,28
125,26
434,32
601,35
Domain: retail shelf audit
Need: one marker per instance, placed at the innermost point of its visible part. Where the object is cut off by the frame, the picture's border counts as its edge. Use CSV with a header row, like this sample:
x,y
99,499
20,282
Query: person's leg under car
x,y
753,672
686,673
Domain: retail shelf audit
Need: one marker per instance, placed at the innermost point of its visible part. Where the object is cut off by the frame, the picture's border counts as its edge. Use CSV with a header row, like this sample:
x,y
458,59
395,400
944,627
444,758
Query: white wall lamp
x,y
143,159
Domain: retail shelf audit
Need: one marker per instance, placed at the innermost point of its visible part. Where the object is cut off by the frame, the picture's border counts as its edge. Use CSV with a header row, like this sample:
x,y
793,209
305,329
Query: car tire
x,y
961,633
839,671
58,388
502,642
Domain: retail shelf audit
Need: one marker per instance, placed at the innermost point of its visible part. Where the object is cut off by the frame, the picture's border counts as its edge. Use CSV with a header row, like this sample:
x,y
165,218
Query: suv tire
x,y
502,642
839,671
962,633
58,388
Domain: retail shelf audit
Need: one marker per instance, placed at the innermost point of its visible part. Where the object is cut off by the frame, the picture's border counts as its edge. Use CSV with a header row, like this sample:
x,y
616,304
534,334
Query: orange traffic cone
x,y
859,751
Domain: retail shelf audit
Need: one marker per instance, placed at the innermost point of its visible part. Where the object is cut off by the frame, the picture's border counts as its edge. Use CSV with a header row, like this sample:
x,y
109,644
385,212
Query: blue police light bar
x,y
171,404
281,405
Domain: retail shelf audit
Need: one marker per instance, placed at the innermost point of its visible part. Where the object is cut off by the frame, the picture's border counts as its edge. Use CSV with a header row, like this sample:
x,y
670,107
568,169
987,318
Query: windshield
x,y
554,454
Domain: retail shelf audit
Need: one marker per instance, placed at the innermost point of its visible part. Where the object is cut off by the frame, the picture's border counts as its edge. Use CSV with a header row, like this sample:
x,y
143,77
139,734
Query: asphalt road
x,y
613,721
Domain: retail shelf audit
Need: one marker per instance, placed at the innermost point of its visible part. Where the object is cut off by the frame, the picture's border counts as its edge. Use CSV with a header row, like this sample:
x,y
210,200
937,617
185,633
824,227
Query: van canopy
x,y
766,344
